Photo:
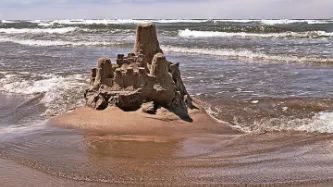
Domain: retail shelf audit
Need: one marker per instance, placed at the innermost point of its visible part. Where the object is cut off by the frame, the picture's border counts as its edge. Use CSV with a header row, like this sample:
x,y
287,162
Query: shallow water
x,y
269,79
183,158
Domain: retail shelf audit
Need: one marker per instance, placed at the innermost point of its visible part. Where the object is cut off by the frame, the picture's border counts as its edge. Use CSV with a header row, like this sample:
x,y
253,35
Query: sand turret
x,y
104,72
144,76
146,42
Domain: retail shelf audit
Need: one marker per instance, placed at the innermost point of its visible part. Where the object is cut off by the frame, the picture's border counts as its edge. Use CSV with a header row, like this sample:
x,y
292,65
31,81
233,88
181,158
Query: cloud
x,y
185,9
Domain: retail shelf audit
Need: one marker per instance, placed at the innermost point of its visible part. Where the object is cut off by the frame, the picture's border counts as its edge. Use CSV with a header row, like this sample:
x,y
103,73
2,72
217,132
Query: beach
x,y
263,87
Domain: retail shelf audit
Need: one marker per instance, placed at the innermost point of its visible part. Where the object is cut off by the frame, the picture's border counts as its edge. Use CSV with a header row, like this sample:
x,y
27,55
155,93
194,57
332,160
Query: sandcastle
x,y
144,79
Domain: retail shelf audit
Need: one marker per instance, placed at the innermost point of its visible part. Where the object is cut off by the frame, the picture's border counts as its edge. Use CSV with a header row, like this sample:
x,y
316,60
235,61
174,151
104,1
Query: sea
x,y
262,78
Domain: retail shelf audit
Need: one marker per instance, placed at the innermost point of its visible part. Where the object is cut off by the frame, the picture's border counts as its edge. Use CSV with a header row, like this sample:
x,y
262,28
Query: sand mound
x,y
116,121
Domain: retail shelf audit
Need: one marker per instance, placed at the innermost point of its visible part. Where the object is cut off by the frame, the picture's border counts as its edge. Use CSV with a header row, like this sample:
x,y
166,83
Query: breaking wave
x,y
60,93
288,21
38,30
6,21
47,23
277,22
48,43
321,122
166,21
247,54
241,53
187,33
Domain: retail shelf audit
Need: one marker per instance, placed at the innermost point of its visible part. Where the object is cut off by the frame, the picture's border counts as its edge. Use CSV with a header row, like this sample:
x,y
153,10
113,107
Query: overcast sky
x,y
167,9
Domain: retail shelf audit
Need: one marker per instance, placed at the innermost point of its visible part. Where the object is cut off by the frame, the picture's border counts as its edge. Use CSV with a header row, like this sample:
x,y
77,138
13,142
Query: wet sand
x,y
16,175
114,120
114,148
252,160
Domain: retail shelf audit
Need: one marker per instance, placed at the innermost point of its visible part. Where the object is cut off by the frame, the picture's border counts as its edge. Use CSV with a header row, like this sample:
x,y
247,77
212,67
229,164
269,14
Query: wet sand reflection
x,y
183,158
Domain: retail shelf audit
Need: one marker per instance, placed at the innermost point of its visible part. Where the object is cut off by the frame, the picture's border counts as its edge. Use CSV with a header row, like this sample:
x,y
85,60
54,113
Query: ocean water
x,y
257,76
265,69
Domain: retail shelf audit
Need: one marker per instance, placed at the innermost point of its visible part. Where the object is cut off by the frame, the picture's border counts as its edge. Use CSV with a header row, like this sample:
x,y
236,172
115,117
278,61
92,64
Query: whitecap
x,y
274,21
38,30
322,122
7,21
187,33
246,54
60,93
47,23
48,43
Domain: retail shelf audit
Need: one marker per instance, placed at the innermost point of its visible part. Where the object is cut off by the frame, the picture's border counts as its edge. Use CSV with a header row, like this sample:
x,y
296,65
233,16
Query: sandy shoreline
x,y
115,148
13,174
114,120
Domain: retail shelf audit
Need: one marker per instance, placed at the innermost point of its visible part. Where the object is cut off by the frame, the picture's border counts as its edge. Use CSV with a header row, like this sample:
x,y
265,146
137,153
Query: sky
x,y
165,9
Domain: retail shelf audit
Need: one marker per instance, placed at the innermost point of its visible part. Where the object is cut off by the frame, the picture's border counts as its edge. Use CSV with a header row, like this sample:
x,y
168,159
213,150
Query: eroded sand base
x,y
114,120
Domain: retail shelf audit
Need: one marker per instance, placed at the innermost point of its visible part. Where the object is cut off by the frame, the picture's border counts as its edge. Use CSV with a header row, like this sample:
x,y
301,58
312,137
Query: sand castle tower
x,y
144,76
146,42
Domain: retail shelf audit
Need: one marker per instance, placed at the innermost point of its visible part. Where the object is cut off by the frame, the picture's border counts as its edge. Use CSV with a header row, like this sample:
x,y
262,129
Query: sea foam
x,y
38,30
187,33
6,21
54,87
245,54
166,21
48,43
276,21
47,23
321,122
